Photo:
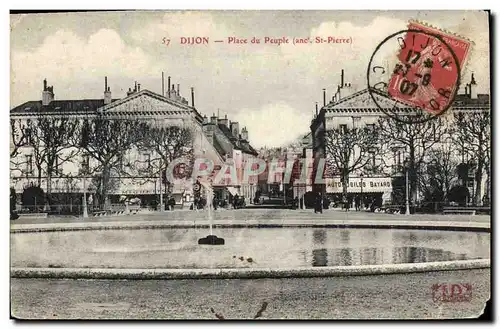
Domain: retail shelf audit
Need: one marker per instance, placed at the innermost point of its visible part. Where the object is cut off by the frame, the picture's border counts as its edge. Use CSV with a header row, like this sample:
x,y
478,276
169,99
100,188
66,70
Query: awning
x,y
232,190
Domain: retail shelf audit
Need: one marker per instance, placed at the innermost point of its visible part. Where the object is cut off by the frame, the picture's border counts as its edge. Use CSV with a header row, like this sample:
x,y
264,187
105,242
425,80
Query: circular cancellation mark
x,y
425,79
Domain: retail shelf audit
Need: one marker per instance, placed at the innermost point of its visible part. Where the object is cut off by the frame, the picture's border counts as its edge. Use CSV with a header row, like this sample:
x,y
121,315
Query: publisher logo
x,y
451,293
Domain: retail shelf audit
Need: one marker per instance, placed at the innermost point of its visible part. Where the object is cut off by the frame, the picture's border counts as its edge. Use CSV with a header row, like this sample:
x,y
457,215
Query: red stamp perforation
x,y
428,72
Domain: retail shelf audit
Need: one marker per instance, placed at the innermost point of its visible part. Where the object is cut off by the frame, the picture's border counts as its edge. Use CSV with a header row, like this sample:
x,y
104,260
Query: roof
x,y
91,105
218,147
83,105
362,101
462,100
228,133
245,147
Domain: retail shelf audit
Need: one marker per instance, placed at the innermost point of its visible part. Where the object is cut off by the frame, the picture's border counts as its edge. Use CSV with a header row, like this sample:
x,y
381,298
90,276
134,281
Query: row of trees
x,y
432,150
57,140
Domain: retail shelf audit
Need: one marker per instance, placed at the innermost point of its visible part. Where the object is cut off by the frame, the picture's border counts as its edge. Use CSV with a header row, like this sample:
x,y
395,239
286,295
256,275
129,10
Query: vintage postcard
x,y
250,165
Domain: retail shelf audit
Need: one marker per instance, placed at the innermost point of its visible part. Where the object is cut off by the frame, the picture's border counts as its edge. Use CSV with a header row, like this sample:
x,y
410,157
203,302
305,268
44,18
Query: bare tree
x,y
349,149
417,138
19,137
106,141
439,172
51,146
473,133
166,144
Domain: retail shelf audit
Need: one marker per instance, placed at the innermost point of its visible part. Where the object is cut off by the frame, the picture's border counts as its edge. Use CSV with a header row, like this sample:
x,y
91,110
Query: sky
x,y
270,89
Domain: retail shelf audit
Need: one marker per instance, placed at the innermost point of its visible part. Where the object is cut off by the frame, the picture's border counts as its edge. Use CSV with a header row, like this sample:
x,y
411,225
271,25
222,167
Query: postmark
x,y
423,71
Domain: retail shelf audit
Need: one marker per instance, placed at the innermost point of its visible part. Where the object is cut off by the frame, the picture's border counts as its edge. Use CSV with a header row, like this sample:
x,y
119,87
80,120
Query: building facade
x,y
377,181
139,174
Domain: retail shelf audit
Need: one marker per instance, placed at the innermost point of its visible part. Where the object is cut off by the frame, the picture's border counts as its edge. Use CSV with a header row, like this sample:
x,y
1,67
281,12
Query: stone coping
x,y
474,226
243,273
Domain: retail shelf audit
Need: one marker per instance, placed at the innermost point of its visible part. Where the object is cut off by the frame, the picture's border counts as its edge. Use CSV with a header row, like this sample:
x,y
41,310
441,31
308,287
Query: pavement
x,y
396,296
256,217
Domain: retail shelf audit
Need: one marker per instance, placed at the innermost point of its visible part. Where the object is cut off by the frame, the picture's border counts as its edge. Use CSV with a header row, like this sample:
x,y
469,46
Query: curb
x,y
243,273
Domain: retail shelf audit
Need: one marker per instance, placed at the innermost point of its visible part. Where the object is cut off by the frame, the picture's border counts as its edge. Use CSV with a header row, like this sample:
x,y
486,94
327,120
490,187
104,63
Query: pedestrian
x,y
235,201
318,204
171,203
357,202
215,202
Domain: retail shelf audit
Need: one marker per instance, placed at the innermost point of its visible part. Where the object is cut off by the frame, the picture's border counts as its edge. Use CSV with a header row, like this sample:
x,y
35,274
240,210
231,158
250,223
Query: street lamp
x,y
362,204
85,211
406,166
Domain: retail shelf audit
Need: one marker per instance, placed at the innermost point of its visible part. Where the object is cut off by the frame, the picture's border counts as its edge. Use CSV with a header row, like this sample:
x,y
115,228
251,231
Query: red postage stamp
x,y
428,72
451,293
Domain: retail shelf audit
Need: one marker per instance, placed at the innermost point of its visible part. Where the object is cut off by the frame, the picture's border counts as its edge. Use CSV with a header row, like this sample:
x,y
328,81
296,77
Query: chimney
x,y
205,120
163,84
342,78
169,87
235,129
473,87
324,97
47,93
316,108
138,87
107,92
135,87
244,133
192,97
223,121
213,119
339,97
178,89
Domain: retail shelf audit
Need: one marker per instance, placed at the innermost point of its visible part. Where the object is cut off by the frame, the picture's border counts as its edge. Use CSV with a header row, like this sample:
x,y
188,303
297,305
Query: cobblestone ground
x,y
406,296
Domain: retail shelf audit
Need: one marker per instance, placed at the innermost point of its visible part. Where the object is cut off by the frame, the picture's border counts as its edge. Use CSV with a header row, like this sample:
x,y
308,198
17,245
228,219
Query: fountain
x,y
211,239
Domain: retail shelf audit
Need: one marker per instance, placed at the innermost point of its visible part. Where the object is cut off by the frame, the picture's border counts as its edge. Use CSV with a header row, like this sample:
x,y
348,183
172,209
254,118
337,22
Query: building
x,y
231,143
378,180
139,176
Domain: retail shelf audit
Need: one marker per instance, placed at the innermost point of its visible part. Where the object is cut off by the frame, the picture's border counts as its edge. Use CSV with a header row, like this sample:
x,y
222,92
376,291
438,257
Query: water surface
x,y
245,247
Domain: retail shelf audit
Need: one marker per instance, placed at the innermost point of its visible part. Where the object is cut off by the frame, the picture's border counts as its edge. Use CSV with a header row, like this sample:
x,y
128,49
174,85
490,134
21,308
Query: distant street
x,y
363,297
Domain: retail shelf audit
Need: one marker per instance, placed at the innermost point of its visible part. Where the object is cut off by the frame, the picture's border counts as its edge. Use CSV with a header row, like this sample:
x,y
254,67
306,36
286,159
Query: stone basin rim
x,y
244,273
414,225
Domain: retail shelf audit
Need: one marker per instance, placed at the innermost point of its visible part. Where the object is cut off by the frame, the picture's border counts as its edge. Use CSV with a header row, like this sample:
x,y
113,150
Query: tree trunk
x,y
104,188
345,176
412,176
39,178
478,178
48,192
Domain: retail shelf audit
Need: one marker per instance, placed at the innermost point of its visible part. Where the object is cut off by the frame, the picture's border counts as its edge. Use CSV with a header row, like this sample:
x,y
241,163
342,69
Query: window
x,y
370,126
147,160
29,136
29,164
355,121
86,163
343,128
